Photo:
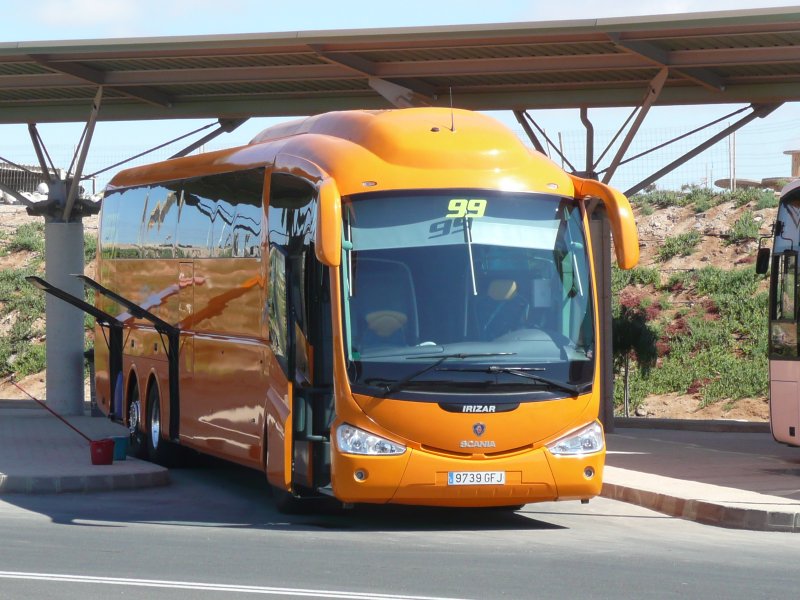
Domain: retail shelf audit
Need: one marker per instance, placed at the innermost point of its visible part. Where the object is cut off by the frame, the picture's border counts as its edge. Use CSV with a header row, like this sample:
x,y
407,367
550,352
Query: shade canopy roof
x,y
749,56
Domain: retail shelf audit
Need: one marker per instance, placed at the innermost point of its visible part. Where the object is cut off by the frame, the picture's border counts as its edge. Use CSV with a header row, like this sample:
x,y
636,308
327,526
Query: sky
x,y
759,146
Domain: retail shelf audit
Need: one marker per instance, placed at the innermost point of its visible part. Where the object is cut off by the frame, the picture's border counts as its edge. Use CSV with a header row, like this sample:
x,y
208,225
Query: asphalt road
x,y
215,534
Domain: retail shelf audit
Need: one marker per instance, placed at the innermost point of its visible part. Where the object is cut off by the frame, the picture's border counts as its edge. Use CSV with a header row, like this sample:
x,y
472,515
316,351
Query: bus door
x,y
301,370
312,410
300,396
783,351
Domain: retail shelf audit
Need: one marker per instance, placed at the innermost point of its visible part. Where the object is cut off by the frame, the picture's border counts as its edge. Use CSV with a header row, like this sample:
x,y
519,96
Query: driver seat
x,y
505,309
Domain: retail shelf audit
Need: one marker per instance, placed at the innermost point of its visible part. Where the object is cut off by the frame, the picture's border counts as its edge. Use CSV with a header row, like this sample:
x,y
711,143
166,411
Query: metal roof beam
x,y
96,77
363,67
663,57
398,95
486,98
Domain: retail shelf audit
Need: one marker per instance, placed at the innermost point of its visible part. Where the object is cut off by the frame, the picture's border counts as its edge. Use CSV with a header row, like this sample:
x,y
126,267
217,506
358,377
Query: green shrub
x,y
745,228
715,347
33,359
701,198
741,197
679,245
89,248
28,237
667,198
767,200
636,276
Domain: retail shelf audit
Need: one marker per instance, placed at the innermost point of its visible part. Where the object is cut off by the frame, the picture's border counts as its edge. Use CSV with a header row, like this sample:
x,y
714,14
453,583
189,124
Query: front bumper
x,y
419,477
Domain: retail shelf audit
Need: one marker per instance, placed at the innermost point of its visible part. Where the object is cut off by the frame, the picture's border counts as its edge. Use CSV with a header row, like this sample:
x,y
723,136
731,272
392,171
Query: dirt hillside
x,y
714,226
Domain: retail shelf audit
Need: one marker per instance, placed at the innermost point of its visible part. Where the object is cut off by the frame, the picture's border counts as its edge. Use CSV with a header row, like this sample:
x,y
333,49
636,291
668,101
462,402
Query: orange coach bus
x,y
381,306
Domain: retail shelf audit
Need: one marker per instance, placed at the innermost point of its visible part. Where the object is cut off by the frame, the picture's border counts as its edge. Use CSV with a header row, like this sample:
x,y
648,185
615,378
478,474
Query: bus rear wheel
x,y
136,442
159,450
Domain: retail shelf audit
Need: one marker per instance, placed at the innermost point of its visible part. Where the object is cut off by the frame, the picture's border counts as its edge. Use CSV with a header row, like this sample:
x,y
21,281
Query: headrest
x,y
502,289
385,322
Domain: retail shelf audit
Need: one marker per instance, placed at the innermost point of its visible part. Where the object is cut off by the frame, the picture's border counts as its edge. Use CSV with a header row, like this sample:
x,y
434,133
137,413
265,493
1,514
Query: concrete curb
x,y
138,475
703,503
720,425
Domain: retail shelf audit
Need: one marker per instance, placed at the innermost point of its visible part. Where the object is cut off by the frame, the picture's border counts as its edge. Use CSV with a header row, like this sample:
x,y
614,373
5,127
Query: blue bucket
x,y
120,447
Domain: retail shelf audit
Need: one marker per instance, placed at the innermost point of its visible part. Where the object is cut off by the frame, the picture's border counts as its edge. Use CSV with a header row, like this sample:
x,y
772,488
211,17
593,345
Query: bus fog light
x,y
588,472
352,440
360,475
586,440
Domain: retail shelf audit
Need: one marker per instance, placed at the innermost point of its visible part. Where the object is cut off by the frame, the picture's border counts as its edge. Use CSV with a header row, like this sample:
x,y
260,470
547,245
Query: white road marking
x,y
214,587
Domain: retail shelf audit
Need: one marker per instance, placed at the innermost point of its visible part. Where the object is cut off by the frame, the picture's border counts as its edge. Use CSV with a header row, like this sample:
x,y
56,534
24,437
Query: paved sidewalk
x,y
40,454
723,477
730,479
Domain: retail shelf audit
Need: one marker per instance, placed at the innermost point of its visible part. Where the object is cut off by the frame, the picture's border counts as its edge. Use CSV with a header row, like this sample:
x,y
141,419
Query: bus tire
x,y
159,450
136,441
286,502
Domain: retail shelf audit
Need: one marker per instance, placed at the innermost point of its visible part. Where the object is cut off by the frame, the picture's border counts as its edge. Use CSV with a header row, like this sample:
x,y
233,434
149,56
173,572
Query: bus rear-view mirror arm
x,y
620,217
328,240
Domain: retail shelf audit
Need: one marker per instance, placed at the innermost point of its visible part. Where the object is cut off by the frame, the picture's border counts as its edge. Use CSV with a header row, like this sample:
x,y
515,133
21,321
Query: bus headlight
x,y
585,440
352,440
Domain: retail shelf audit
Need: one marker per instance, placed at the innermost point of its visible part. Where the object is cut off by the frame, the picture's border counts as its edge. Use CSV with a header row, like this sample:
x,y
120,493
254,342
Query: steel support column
x,y
63,212
65,339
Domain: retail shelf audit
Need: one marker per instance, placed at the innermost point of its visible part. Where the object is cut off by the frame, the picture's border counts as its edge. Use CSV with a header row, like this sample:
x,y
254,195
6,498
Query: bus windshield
x,y
466,290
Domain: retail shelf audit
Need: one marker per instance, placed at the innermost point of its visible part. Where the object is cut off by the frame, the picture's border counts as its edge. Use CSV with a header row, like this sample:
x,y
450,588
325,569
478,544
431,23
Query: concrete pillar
x,y
65,333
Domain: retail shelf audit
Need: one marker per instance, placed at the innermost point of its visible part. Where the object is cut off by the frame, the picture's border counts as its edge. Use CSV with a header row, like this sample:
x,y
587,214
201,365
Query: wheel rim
x,y
155,424
134,411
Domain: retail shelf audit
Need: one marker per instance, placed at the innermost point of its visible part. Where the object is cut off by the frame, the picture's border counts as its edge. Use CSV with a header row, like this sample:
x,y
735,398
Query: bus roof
x,y
383,150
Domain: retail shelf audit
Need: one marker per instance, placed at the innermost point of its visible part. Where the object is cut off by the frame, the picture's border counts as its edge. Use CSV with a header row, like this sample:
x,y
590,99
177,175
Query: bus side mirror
x,y
328,236
620,217
762,261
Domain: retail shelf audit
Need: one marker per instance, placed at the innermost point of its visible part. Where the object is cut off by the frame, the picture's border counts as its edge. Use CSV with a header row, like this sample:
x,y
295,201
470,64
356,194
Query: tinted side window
x,y
221,215
277,306
160,222
109,219
194,223
247,230
122,223
291,225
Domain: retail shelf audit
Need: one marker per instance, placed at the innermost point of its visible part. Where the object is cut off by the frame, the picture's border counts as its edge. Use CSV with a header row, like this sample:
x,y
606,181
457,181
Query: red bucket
x,y
102,451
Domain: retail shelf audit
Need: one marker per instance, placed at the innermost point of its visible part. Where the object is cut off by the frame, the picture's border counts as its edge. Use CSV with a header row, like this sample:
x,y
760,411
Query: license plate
x,y
476,478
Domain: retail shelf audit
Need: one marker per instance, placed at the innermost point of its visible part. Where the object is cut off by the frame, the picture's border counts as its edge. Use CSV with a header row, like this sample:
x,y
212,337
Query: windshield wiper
x,y
526,373
390,389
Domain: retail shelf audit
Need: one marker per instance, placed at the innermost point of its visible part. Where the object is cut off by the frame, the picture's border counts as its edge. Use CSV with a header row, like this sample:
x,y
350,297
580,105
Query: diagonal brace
x,y
653,92
758,111
84,150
